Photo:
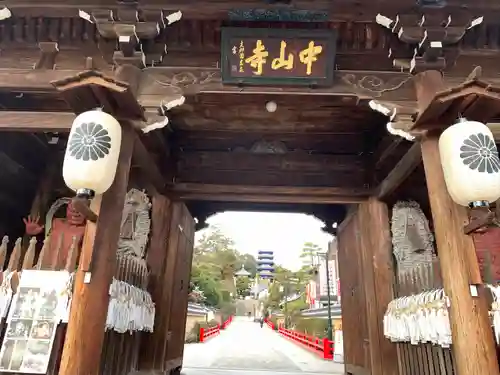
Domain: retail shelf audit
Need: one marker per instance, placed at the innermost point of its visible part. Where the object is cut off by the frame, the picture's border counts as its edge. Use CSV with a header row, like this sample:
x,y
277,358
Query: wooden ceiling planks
x,y
344,143
234,177
287,169
293,161
294,114
253,147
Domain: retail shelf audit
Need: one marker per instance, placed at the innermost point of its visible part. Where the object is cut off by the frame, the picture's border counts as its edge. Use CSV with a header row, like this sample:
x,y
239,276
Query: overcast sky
x,y
283,233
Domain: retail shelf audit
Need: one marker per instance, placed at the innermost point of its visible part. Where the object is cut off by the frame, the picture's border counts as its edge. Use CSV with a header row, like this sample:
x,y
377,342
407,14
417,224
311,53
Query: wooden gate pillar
x,y
170,259
151,356
367,279
86,327
378,276
181,243
473,342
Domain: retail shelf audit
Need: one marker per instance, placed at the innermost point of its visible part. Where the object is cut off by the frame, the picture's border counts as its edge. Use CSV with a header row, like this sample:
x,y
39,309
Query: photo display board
x,y
34,315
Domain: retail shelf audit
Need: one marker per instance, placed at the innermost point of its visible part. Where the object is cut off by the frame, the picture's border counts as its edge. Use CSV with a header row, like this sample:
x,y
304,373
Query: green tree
x,y
243,285
309,254
287,283
215,261
277,290
213,240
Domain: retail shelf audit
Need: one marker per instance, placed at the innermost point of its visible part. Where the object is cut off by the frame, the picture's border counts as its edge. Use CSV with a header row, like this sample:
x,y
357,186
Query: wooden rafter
x,y
336,9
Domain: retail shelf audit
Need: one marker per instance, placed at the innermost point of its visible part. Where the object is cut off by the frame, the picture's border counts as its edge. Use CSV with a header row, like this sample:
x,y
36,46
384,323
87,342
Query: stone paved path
x,y
245,348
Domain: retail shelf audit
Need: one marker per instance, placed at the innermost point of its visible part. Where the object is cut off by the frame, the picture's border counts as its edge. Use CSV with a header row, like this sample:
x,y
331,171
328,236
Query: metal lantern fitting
x,y
470,162
92,153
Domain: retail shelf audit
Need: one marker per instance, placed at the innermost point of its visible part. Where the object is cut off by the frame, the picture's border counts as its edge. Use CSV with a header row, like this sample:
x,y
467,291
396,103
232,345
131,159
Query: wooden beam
x,y
60,122
403,169
290,161
269,194
339,179
208,80
36,121
162,84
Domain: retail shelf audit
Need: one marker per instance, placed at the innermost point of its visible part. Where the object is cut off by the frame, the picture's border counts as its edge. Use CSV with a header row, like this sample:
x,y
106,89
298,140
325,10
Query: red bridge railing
x,y
227,323
323,347
269,323
206,333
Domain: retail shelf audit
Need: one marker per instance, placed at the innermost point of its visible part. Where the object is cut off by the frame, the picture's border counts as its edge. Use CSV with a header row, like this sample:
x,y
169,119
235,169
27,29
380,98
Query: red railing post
x,y
202,334
327,349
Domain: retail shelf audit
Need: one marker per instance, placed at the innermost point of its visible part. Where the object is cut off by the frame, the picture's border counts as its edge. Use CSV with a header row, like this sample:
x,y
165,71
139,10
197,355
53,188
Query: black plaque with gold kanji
x,y
278,56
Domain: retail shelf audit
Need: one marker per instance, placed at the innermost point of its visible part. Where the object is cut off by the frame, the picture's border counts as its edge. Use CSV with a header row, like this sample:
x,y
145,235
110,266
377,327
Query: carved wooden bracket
x,y
429,41
134,31
474,99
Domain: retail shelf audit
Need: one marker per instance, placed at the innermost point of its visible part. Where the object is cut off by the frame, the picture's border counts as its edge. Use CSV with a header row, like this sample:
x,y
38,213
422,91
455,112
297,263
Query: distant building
x,y
317,289
242,272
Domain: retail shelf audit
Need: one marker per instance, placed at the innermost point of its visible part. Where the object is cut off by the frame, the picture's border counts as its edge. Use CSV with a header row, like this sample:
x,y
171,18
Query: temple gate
x,y
328,108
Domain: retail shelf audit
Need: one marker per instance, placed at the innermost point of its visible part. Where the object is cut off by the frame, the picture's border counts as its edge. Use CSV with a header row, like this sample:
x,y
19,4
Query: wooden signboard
x,y
277,56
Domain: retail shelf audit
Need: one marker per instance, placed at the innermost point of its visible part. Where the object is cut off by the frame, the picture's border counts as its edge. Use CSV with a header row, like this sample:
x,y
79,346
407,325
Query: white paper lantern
x,y
92,152
471,166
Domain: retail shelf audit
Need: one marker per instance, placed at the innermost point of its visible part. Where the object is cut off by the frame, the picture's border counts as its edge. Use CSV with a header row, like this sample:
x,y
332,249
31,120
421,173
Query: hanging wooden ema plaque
x,y
277,56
